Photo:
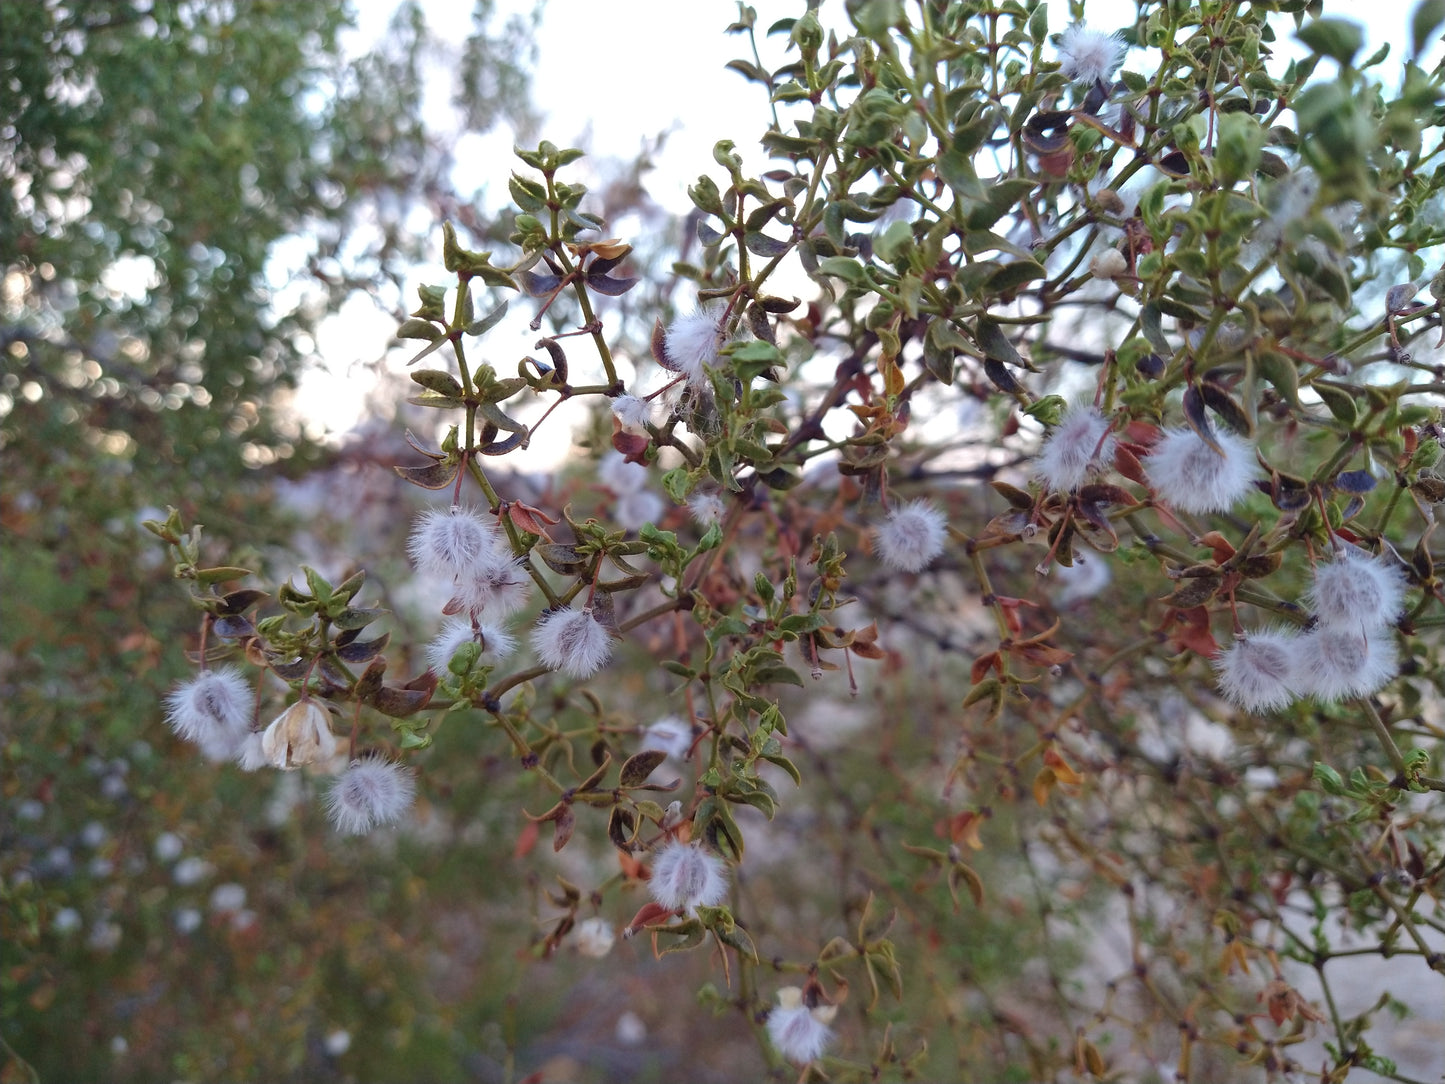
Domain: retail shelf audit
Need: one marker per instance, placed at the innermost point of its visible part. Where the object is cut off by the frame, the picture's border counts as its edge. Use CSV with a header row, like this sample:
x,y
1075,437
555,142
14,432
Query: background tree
x,y
155,157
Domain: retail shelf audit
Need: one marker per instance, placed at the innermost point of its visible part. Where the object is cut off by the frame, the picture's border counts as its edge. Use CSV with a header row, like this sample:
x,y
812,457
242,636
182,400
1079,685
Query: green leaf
x,y
487,322
1340,402
419,329
1329,779
841,267
994,343
1012,275
1339,39
1426,20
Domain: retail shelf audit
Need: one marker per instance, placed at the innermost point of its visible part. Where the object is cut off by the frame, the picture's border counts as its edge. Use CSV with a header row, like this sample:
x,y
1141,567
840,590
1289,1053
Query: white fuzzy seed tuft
x,y
1187,474
595,937
1089,56
497,643
452,541
633,510
620,475
797,1032
1356,591
1257,670
912,536
692,342
572,641
705,509
632,413
496,586
669,735
1080,442
1336,663
212,709
372,791
685,877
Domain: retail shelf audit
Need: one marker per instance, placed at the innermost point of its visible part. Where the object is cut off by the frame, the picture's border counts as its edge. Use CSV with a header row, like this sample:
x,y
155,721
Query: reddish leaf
x,y
1127,464
651,914
1223,549
631,445
1191,631
529,519
983,665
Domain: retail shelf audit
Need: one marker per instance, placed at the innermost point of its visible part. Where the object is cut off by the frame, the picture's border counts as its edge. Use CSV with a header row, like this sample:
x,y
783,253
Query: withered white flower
x,y
686,877
1189,475
797,1032
1257,670
1081,442
1089,56
300,735
912,536
1356,590
572,641
372,791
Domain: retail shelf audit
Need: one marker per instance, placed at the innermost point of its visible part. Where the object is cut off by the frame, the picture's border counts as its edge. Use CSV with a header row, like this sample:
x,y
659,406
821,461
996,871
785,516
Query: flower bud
x,y
1109,264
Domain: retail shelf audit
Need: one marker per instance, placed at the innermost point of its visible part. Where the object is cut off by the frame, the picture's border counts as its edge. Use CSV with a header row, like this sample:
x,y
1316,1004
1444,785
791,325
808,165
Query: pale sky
x,y
618,72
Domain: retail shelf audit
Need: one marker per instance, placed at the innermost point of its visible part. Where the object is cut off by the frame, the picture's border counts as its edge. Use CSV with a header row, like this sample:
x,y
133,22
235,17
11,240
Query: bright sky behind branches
x,y
612,76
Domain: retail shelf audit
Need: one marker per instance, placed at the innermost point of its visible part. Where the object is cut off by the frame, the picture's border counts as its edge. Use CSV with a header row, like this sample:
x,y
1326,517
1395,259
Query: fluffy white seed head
x,y
1257,670
300,735
1187,474
633,510
372,791
1356,591
251,755
692,342
452,541
912,536
1335,663
632,413
572,641
1079,443
620,476
669,735
686,877
497,643
797,1032
705,508
595,937
496,587
1089,56
212,709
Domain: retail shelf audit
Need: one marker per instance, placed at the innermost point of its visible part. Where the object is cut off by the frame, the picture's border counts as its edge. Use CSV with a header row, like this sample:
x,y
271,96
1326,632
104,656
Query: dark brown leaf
x,y
639,766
